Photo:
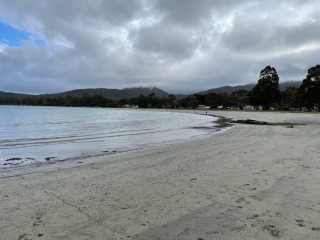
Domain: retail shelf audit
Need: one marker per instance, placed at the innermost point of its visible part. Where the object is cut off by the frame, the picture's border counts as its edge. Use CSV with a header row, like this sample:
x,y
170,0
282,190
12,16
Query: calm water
x,y
36,133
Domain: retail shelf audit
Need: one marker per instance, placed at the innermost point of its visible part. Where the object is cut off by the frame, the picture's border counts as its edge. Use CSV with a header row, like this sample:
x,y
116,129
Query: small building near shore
x,y
250,107
203,107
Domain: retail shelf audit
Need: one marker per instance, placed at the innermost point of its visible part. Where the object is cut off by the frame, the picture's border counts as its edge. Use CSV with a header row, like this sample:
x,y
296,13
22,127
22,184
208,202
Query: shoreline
x,y
250,182
55,163
20,157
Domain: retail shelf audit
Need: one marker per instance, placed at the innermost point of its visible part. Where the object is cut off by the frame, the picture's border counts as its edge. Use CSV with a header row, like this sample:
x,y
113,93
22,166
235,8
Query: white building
x,y
203,107
250,107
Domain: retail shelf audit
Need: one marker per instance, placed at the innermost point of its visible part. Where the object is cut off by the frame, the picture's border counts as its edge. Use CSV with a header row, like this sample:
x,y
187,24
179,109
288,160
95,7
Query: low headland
x,y
253,181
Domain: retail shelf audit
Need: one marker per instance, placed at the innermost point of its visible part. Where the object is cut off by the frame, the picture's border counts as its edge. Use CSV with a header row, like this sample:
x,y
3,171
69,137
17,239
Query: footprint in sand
x,y
300,222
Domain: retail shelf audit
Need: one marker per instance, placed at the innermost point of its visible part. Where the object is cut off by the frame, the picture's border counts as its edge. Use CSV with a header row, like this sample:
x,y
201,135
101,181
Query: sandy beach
x,y
249,182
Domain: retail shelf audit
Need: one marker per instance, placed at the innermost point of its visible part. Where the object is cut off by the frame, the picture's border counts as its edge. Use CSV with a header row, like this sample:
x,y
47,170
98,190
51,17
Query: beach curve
x,y
251,182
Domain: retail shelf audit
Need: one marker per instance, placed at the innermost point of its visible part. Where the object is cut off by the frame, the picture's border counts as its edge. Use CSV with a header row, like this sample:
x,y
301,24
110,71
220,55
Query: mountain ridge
x,y
248,87
116,94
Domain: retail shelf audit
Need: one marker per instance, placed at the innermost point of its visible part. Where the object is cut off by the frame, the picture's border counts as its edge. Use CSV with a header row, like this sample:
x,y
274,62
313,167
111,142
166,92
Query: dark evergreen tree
x,y
172,100
122,102
238,97
266,92
308,94
287,97
214,100
271,74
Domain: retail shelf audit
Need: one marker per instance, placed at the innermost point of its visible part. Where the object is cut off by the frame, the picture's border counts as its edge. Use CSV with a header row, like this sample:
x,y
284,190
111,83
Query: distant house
x,y
203,107
250,107
234,108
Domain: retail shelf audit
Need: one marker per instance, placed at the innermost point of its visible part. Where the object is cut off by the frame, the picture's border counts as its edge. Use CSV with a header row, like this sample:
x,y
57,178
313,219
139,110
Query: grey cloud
x,y
268,29
180,46
257,35
191,13
304,34
164,40
104,11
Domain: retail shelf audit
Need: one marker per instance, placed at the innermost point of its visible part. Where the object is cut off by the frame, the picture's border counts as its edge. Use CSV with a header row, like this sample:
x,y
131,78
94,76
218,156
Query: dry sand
x,y
250,182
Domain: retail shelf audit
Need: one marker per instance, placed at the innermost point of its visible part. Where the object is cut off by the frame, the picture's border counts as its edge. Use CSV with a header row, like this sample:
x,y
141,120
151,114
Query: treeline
x,y
68,101
266,94
150,101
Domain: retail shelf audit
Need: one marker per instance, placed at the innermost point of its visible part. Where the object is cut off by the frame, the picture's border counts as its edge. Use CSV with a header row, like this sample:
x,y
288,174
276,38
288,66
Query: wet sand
x,y
250,182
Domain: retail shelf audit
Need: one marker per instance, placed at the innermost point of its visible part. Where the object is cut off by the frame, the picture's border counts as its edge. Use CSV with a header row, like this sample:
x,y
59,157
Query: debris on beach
x,y
13,159
250,121
300,223
255,122
273,231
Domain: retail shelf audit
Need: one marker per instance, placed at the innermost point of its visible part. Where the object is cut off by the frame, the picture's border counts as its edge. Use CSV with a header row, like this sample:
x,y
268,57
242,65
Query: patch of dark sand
x,y
255,122
13,159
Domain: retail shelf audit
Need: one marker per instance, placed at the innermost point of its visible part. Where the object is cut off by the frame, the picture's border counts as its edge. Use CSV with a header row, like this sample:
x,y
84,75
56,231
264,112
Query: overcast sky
x,y
180,46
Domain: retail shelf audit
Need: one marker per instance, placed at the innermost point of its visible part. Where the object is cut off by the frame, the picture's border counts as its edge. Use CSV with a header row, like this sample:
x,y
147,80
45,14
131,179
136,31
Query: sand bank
x,y
250,182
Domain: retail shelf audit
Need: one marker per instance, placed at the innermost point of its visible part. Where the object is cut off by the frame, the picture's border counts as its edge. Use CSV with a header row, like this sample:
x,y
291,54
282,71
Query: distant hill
x,y
109,93
10,94
147,91
180,96
114,94
228,89
284,85
249,87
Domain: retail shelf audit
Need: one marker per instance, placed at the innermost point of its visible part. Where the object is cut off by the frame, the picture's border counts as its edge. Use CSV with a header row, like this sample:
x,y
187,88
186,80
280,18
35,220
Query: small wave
x,y
93,131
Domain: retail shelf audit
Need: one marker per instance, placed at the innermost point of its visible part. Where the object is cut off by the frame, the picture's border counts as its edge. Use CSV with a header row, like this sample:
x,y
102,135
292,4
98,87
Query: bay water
x,y
46,134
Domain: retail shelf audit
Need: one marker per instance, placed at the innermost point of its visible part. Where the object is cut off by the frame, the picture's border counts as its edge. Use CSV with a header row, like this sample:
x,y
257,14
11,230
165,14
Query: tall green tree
x,y
225,98
189,102
238,97
266,93
308,94
172,100
214,99
86,100
271,74
287,97
122,102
